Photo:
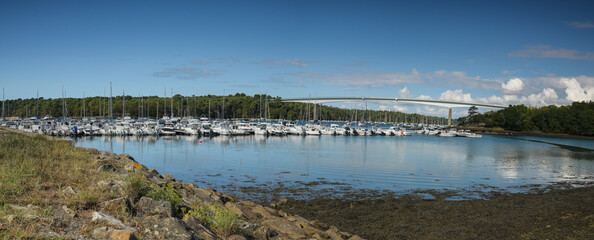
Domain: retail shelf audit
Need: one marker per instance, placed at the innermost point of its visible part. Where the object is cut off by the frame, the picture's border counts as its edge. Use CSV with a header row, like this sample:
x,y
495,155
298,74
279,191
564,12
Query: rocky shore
x,y
139,203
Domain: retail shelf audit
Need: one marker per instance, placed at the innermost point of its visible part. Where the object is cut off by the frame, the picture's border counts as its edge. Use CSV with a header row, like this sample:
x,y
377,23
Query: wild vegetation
x,y
575,119
50,189
237,106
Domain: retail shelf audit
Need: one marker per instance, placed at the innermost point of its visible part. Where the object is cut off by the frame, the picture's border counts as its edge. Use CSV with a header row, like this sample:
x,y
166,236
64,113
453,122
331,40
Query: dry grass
x,y
35,170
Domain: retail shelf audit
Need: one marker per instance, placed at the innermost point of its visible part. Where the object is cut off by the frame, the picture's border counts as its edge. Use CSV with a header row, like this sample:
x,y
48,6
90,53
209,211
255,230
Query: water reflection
x,y
385,163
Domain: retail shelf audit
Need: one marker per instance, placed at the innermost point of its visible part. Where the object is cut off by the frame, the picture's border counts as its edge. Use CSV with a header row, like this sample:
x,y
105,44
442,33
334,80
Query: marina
x,y
205,127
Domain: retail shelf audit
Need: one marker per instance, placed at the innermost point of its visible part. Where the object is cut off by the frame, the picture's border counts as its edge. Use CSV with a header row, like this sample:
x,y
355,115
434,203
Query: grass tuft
x,y
223,222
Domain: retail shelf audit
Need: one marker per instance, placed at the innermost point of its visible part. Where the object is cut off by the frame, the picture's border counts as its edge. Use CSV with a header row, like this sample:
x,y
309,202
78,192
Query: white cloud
x,y
513,85
424,97
456,96
576,24
284,62
404,93
365,78
381,79
546,51
400,108
575,92
548,96
189,73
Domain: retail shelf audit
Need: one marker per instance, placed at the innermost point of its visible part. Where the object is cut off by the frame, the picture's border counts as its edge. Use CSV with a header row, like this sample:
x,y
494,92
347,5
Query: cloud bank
x,y
546,51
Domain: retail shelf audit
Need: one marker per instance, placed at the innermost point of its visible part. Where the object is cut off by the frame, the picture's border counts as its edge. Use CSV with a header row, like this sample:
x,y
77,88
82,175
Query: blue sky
x,y
503,52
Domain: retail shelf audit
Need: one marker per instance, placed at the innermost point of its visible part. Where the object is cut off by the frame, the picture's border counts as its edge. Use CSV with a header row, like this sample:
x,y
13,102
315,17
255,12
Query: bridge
x,y
439,103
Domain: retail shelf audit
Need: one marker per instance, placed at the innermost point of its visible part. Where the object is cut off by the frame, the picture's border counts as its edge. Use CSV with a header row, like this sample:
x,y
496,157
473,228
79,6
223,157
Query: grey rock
x,y
168,178
69,191
129,168
117,205
285,227
112,186
102,217
46,233
199,229
148,206
106,168
167,228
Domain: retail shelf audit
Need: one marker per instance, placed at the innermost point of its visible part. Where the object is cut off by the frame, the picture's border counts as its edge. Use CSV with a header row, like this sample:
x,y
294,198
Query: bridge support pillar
x,y
450,118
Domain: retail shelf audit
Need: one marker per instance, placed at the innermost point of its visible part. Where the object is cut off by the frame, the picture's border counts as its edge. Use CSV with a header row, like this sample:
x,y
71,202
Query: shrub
x,y
222,221
165,193
136,187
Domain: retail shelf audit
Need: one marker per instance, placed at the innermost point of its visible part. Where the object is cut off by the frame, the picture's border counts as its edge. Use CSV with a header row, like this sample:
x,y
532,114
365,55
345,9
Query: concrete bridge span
x,y
439,103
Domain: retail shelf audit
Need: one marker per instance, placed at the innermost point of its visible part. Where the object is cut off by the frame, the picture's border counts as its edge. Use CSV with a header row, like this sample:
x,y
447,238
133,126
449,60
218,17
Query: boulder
x,y
148,206
106,168
112,186
167,228
266,212
121,235
168,178
126,157
334,233
117,205
69,191
157,179
199,229
285,227
102,217
242,210
129,168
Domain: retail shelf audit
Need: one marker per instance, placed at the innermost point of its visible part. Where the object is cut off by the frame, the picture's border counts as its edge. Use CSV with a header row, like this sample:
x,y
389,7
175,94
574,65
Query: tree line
x,y
576,119
235,106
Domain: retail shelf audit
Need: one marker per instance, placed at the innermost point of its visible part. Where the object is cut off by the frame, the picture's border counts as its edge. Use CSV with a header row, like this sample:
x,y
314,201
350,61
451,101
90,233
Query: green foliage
x,y
237,106
576,119
30,165
136,186
164,193
85,199
222,221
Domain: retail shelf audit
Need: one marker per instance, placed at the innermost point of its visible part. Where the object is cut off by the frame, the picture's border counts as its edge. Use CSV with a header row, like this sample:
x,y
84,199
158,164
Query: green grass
x,y
165,193
32,168
136,186
222,221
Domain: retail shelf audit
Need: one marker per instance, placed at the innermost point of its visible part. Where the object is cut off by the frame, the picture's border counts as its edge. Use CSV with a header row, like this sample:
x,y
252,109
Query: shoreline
x,y
111,196
497,131
546,211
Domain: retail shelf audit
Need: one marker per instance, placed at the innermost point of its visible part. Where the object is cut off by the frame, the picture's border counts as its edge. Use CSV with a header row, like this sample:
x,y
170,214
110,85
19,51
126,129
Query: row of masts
x,y
312,110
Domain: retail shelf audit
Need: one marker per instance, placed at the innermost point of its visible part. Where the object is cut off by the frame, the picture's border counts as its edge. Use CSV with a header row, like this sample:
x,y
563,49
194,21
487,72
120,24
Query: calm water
x,y
348,162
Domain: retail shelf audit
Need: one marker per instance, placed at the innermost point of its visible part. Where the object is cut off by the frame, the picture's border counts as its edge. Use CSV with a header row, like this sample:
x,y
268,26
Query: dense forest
x,y
577,118
237,106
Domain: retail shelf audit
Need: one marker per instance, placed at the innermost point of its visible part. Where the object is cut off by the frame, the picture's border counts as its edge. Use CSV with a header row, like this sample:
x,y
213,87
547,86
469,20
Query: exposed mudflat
x,y
560,211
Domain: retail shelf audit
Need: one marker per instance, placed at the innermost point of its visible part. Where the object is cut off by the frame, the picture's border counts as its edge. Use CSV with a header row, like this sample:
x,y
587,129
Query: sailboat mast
x,y
37,105
3,103
110,104
83,107
123,104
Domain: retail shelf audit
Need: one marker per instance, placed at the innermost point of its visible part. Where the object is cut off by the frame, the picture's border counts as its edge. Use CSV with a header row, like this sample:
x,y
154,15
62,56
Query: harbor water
x,y
238,164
